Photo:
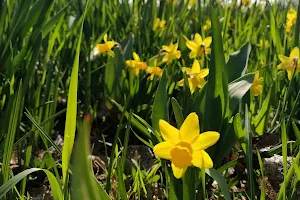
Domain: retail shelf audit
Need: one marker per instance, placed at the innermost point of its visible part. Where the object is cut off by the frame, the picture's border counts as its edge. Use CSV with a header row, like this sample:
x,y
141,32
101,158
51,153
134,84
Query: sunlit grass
x,y
109,74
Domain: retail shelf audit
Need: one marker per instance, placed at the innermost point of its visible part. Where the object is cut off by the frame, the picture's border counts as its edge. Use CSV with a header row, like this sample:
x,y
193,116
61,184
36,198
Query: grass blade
x,y
70,126
56,191
248,141
217,176
160,105
284,155
13,119
83,180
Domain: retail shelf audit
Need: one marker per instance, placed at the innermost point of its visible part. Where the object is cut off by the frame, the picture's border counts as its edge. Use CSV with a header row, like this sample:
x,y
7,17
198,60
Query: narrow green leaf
x,y
288,178
35,54
261,119
217,176
261,166
189,184
239,131
84,183
177,112
284,154
228,165
275,32
249,152
53,21
43,133
11,125
55,187
296,131
160,105
71,115
297,27
136,121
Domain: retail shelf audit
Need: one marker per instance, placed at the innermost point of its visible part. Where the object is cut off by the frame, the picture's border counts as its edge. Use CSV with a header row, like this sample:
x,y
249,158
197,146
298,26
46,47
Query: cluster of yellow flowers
x,y
198,47
290,19
196,76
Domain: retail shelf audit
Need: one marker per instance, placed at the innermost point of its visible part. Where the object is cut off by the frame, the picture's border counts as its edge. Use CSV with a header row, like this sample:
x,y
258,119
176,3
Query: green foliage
x,y
50,65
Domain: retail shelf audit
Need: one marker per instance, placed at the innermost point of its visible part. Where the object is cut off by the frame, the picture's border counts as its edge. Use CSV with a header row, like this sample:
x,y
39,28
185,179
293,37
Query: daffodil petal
x,y
207,41
166,58
206,160
192,85
166,48
282,66
205,140
198,39
178,54
136,71
111,53
181,82
175,46
130,63
169,132
294,53
178,172
290,73
186,70
199,81
105,38
191,45
197,159
196,67
207,51
162,150
193,54
284,59
203,73
190,129
101,48
136,57
110,44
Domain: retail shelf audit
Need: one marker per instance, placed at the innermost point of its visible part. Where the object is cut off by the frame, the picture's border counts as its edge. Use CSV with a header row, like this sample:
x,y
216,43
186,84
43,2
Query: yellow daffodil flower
x,y
207,25
191,2
185,147
245,2
106,47
198,46
159,24
288,26
154,70
256,87
263,44
196,76
170,52
291,18
290,63
136,64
